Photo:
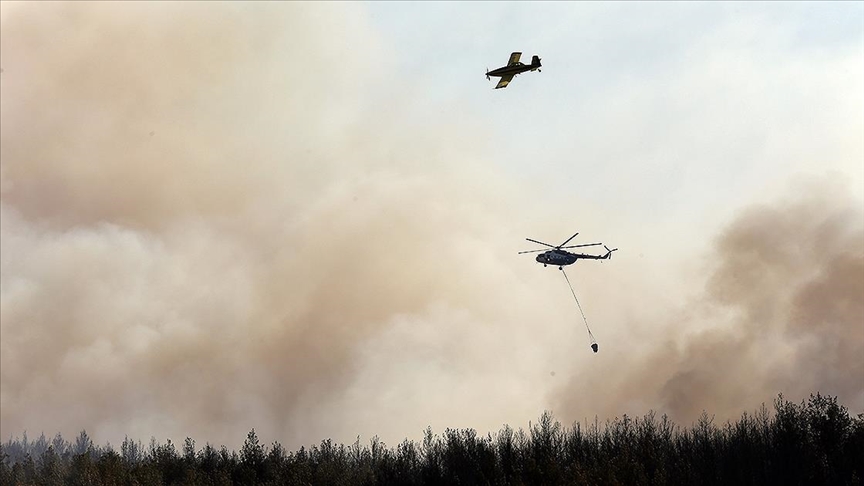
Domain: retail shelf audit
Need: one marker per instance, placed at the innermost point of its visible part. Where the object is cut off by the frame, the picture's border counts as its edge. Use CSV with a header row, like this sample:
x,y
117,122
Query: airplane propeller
x,y
487,74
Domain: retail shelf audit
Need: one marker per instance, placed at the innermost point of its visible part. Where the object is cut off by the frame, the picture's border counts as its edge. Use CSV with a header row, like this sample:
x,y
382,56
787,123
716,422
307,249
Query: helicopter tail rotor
x,y
609,252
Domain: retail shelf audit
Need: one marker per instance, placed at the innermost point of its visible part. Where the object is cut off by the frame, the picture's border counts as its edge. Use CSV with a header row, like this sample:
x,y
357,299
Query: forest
x,y
815,441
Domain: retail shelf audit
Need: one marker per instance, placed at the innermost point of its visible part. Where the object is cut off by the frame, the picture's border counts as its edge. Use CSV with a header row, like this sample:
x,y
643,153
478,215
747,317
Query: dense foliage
x,y
814,442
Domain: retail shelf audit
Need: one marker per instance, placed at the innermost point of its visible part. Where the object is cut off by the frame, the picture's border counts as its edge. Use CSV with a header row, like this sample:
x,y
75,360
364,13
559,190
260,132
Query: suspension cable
x,y
590,335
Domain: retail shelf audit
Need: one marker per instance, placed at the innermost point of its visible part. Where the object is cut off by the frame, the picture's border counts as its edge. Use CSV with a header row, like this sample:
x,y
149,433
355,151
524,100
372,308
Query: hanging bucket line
x,y
590,335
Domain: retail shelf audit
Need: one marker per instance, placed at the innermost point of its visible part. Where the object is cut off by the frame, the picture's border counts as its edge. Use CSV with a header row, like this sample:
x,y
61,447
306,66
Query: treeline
x,y
814,442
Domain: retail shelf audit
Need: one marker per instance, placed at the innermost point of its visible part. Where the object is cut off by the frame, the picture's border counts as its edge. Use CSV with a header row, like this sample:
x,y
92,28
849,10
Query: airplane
x,y
513,68
558,256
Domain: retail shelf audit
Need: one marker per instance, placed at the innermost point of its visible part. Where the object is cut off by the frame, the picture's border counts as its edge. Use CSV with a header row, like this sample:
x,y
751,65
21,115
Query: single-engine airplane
x,y
558,256
513,68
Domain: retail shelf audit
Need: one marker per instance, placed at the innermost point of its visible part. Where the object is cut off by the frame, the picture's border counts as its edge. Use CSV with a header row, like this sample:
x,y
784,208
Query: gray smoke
x,y
214,218
781,311
201,232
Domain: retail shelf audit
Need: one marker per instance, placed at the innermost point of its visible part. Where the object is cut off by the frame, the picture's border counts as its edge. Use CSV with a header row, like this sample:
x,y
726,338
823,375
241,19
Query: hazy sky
x,y
304,217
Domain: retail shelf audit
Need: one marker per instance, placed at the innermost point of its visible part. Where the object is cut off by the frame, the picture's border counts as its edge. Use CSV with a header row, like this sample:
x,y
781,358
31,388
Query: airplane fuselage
x,y
511,70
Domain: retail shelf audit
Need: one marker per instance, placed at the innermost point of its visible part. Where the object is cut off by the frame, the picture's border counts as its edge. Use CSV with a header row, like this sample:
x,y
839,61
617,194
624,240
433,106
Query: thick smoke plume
x,y
200,230
214,218
782,311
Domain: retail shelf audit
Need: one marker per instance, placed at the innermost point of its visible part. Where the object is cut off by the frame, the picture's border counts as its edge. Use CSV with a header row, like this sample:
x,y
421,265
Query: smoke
x,y
218,217
201,232
781,311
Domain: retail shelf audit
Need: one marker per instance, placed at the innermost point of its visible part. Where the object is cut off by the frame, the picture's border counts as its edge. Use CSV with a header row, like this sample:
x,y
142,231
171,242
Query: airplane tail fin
x,y
535,62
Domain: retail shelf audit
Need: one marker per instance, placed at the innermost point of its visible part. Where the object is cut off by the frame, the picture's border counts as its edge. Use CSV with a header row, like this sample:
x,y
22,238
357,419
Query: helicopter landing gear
x,y
561,268
544,264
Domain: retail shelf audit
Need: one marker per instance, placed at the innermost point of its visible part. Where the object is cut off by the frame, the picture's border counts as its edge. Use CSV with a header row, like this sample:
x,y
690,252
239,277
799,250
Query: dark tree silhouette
x,y
814,442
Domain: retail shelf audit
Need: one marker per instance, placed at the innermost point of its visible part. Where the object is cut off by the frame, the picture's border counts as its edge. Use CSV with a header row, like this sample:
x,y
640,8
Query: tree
x,y
111,468
51,470
5,470
251,460
82,443
82,471
830,428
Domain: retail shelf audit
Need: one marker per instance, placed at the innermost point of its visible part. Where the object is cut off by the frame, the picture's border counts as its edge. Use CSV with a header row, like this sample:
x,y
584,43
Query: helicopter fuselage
x,y
557,257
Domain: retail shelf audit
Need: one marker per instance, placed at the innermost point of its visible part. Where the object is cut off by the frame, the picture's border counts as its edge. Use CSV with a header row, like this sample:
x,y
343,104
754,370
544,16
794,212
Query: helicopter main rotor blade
x,y
540,243
579,246
531,251
568,241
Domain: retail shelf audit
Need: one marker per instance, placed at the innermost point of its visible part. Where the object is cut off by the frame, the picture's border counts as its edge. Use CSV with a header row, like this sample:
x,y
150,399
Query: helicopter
x,y
559,256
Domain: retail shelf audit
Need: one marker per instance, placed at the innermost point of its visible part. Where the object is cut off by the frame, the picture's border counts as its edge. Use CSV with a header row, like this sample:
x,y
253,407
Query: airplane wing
x,y
514,58
505,80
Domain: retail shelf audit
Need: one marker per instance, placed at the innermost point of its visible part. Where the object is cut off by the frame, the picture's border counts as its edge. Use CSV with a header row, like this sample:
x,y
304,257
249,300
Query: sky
x,y
304,218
